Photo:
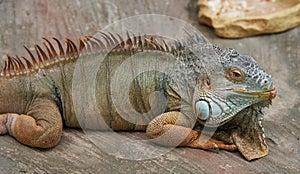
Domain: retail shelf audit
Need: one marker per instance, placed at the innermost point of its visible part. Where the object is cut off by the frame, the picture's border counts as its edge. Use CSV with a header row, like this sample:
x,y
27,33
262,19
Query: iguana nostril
x,y
266,82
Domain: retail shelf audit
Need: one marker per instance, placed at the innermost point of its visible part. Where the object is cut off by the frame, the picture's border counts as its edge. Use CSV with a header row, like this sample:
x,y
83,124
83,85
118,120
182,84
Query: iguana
x,y
229,92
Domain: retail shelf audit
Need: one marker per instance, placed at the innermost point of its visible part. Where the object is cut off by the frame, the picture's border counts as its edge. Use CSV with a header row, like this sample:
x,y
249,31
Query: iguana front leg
x,y
173,126
40,127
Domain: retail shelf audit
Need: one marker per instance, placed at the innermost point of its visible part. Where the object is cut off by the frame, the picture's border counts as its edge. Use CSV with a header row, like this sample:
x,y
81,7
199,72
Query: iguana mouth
x,y
264,95
206,112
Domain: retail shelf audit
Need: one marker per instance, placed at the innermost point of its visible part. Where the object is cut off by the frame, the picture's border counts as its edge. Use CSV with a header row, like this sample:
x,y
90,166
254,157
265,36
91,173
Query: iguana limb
x,y
41,127
175,125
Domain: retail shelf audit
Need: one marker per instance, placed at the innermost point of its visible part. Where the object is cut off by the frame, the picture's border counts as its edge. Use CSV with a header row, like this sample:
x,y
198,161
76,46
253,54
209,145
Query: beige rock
x,y
241,18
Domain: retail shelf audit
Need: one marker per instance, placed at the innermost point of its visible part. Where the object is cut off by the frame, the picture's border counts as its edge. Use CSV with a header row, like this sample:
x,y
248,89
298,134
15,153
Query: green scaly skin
x,y
37,98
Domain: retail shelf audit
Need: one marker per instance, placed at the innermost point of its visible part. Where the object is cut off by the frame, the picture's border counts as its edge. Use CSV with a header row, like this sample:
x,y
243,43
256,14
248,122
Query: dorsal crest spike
x,y
50,56
134,38
129,41
8,68
122,43
39,56
11,67
113,38
110,40
81,45
96,43
157,44
68,50
28,64
167,49
54,54
108,43
61,50
140,41
74,48
87,44
21,64
40,61
150,43
35,64
15,66
18,65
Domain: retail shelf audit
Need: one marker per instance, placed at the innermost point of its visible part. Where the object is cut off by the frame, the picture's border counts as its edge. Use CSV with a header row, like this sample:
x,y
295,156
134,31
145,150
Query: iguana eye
x,y
235,74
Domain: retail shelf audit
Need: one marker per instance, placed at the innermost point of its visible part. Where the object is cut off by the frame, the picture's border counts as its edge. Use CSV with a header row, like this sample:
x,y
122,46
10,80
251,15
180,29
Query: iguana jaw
x,y
262,95
251,98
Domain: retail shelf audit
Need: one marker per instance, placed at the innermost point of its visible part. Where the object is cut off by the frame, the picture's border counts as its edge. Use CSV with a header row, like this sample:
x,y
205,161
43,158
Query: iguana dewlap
x,y
229,91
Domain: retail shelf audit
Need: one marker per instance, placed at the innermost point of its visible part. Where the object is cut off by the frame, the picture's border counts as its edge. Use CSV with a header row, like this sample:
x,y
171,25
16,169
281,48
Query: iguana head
x,y
240,83
232,99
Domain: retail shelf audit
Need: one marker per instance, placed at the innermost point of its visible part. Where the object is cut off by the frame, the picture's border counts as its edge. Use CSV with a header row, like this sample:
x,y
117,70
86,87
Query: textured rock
x,y
241,18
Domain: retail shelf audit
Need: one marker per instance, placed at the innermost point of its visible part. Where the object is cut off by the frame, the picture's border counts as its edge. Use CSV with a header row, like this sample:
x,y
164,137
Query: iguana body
x,y
37,97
